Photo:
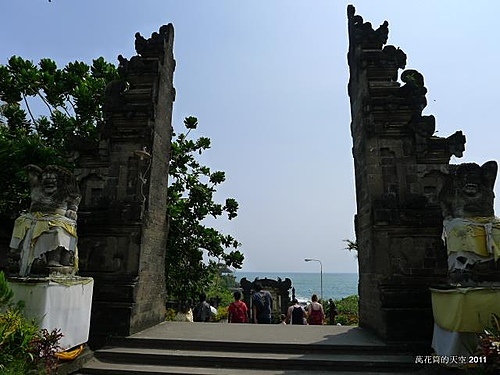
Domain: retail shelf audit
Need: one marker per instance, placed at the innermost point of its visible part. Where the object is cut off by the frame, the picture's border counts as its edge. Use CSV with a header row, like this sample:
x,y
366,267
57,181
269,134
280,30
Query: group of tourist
x,y
262,307
314,315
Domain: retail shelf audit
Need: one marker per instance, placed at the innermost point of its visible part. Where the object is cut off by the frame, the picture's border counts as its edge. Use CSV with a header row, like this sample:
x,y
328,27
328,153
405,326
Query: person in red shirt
x,y
315,313
238,310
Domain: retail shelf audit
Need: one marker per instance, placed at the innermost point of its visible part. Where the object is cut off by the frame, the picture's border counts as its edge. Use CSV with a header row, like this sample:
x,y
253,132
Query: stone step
x,y
256,359
191,348
96,367
262,347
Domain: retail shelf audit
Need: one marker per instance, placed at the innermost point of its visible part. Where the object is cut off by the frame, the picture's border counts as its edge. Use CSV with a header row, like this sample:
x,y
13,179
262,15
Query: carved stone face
x,y
49,183
470,181
468,191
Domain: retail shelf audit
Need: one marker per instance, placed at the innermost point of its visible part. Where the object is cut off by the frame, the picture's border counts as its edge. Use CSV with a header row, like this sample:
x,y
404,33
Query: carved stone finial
x,y
414,92
141,43
351,10
363,32
397,55
154,45
456,144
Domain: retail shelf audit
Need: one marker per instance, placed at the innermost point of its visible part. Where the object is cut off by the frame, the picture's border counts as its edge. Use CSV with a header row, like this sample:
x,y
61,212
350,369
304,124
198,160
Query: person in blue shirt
x,y
262,305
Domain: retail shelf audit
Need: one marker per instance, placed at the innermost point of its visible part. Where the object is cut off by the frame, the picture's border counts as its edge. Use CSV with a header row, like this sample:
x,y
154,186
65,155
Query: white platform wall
x,y
64,304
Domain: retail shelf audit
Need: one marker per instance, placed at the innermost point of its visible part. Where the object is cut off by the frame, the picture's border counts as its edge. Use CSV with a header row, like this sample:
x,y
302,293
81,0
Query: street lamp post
x,y
320,272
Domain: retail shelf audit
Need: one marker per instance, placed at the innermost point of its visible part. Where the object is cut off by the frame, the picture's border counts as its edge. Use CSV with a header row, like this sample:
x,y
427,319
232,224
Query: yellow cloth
x,y
480,235
70,355
70,280
36,233
465,309
43,223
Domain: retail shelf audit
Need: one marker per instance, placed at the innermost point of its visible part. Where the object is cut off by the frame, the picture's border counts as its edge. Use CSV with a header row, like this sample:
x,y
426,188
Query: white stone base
x,y
63,303
449,343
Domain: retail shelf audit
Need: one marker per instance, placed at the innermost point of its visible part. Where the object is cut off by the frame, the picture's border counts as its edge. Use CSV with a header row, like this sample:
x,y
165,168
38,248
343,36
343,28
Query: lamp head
x,y
142,154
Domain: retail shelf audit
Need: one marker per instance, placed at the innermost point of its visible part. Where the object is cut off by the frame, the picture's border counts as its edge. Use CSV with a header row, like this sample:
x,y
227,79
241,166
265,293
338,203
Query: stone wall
x,y
399,166
122,224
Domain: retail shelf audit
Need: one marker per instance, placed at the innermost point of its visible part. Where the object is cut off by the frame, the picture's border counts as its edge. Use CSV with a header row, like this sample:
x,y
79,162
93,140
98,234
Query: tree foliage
x,y
348,310
69,107
190,202
45,111
351,245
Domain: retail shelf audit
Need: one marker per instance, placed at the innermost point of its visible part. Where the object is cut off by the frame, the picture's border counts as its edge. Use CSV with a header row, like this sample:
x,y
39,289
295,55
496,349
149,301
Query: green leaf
x,y
191,122
217,177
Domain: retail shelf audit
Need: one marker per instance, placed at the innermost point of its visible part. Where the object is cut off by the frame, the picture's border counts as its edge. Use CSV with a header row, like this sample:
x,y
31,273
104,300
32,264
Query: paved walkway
x,y
262,333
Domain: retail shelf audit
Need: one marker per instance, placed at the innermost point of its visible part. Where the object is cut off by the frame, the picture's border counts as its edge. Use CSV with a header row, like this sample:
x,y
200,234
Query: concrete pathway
x,y
262,333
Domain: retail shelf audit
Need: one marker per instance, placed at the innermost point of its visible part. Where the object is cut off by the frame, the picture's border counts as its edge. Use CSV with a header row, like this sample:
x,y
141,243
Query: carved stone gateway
x,y
123,181
399,165
279,289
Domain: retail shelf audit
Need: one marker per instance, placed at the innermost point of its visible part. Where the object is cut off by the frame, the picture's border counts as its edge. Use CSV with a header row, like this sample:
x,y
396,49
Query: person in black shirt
x,y
296,313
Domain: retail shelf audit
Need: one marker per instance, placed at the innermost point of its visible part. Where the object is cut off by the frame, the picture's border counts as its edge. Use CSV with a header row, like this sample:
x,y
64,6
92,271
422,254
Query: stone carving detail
x,y
279,289
468,190
456,144
44,238
125,95
281,285
414,91
470,228
364,33
153,46
114,98
397,55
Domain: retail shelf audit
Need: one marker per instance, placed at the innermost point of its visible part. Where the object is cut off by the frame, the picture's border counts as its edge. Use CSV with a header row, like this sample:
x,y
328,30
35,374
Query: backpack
x,y
197,312
261,301
298,315
238,313
201,312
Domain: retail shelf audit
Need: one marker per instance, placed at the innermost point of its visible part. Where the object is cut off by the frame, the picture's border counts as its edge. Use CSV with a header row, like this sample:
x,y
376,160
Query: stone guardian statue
x,y
470,229
44,239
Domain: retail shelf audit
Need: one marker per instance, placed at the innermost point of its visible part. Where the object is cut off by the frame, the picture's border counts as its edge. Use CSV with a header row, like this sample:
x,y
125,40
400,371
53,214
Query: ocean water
x,y
335,285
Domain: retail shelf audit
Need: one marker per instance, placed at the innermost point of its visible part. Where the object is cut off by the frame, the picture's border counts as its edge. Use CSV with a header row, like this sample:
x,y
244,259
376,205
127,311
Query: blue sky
x,y
267,80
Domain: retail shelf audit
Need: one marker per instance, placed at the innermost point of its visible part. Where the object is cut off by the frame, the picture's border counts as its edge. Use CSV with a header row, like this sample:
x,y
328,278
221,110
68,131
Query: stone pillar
x,y
122,219
398,166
